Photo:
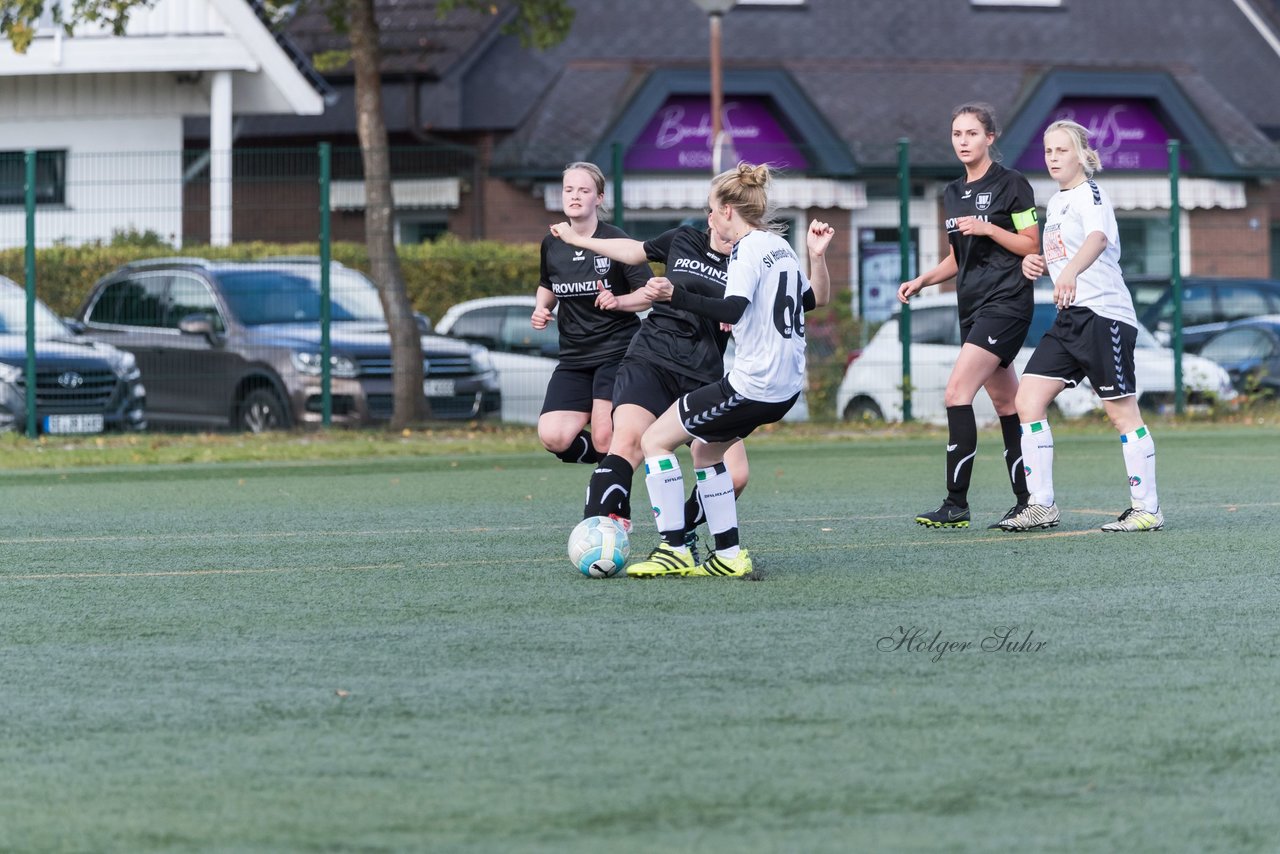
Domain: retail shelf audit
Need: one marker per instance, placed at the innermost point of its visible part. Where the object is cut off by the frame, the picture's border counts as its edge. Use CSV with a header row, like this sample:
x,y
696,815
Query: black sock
x,y
693,514
1012,432
962,445
580,450
609,492
726,539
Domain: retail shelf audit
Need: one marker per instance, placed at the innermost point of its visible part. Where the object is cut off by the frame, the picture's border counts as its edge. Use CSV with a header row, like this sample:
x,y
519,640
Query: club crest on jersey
x,y
983,201
602,265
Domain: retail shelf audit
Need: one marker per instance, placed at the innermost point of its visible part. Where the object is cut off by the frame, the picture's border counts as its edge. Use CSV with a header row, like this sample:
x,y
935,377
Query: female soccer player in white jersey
x,y
991,225
765,300
592,340
1093,336
674,352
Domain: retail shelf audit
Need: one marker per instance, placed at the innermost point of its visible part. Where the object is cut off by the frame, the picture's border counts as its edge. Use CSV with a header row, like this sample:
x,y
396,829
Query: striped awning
x,y
406,194
1146,194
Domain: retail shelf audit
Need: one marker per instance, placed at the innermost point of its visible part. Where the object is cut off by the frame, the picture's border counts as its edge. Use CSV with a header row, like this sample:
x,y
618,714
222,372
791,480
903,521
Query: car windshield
x,y
277,295
13,315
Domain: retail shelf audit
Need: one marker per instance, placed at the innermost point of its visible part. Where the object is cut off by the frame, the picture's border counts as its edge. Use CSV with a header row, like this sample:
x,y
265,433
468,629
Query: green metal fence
x,y
83,216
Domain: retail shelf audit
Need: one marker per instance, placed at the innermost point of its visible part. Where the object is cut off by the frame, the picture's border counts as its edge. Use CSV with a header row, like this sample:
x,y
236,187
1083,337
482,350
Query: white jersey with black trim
x,y
769,358
1071,216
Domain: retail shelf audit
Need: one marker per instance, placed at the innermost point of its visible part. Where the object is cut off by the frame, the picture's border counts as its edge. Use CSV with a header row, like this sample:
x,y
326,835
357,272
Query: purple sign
x,y
1125,133
678,137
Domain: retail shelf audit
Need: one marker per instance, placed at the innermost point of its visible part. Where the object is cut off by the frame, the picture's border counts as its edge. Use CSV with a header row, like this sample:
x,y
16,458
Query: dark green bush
x,y
436,275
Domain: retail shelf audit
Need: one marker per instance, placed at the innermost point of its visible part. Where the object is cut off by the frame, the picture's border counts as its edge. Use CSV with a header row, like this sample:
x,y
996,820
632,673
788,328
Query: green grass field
x,y
394,654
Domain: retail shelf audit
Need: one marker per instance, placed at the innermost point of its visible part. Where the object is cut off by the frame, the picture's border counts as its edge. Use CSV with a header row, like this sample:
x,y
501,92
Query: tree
x,y
539,23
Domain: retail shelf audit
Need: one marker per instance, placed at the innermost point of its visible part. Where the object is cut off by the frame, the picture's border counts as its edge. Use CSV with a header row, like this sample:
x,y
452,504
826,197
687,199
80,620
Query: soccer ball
x,y
599,547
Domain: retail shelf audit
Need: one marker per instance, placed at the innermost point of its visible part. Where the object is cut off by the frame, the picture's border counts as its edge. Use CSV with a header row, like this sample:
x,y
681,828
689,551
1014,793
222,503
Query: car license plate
x,y
73,423
438,388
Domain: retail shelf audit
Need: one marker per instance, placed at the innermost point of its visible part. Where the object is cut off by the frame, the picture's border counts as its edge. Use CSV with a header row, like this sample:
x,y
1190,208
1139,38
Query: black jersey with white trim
x,y
683,342
589,336
988,276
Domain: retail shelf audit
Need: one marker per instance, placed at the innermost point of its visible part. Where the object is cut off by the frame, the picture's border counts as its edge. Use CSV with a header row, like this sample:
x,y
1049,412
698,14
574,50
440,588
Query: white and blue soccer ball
x,y
599,547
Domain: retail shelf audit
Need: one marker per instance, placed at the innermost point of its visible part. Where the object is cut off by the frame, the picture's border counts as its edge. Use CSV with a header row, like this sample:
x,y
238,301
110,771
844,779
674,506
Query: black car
x,y
1249,350
1208,305
81,386
237,344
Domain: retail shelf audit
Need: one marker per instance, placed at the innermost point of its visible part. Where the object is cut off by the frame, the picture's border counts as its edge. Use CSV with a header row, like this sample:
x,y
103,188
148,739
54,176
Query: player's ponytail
x,y
746,188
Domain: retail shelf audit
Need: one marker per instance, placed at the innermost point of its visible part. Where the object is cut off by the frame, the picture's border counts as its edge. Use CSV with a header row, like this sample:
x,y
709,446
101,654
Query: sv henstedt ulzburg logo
x,y
70,379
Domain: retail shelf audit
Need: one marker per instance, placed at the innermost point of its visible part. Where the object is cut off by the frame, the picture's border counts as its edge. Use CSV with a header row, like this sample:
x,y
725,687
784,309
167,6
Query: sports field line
x,y
505,529
471,563
155,573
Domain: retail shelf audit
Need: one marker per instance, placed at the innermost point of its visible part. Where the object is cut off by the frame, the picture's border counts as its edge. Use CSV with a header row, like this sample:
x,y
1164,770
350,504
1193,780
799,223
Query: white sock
x,y
1140,461
665,483
715,488
1037,461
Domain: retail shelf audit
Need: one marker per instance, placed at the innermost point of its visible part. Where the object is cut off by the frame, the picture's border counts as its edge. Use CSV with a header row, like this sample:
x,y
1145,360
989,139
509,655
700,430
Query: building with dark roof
x,y
826,89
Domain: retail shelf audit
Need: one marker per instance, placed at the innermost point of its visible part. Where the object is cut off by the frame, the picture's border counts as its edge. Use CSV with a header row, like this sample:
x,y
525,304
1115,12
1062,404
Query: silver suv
x,y
237,344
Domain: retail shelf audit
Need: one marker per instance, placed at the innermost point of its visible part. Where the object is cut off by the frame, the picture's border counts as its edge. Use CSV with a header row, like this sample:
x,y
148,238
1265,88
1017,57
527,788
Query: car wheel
x,y
863,409
261,410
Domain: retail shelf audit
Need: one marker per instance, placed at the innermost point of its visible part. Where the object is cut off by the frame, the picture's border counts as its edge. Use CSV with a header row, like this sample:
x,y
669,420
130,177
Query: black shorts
x,y
575,389
1083,344
717,413
650,386
995,334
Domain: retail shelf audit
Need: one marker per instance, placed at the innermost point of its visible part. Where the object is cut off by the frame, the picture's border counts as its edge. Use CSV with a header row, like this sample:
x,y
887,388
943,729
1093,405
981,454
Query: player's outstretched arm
x,y
621,249
818,239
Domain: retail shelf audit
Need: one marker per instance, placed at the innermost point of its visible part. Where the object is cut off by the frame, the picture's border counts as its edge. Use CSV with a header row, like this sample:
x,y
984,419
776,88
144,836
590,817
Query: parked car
x,y
237,344
524,356
81,386
872,385
1249,351
1208,305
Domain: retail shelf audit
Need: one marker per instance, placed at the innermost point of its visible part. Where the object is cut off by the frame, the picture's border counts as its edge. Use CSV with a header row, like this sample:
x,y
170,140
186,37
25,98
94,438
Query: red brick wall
x,y
1232,242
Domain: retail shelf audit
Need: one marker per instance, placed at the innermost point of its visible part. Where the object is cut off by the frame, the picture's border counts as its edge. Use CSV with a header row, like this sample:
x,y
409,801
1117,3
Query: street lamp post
x,y
715,10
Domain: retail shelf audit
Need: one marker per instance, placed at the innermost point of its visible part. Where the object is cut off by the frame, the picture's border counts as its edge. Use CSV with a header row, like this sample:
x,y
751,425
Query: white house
x,y
105,116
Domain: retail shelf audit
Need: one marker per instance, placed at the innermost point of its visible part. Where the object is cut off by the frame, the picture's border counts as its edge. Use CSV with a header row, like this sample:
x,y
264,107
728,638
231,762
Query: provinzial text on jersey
x,y
707,271
578,289
952,223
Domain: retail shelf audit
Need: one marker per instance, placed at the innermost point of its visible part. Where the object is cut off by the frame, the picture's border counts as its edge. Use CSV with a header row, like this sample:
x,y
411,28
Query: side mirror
x,y
197,324
74,325
424,322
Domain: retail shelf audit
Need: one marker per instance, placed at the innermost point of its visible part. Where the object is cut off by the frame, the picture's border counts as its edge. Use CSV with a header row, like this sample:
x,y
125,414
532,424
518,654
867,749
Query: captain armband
x,y
1022,219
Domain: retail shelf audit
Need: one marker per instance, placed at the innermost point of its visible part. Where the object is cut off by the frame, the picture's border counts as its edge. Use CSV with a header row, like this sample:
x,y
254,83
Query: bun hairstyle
x,y
1079,136
746,189
597,176
986,116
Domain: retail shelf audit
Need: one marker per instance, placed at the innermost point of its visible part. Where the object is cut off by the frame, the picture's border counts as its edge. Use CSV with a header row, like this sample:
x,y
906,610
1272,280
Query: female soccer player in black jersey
x,y
991,225
674,353
592,340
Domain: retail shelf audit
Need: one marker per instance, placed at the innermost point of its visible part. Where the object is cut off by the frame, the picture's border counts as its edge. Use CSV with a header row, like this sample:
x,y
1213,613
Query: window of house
x,y
51,177
1145,247
418,229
